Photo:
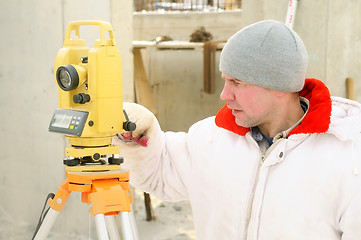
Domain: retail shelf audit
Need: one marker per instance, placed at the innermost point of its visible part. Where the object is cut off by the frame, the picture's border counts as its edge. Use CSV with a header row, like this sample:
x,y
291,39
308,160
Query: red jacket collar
x,y
317,119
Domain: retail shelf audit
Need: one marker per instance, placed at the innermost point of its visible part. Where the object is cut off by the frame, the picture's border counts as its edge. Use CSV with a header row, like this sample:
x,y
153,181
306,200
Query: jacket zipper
x,y
251,197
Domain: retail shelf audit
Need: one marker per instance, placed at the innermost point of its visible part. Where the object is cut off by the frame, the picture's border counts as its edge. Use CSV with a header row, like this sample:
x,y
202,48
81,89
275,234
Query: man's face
x,y
251,105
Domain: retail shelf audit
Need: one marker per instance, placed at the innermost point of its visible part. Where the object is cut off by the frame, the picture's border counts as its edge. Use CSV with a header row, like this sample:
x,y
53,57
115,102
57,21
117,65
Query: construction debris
x,y
162,39
201,35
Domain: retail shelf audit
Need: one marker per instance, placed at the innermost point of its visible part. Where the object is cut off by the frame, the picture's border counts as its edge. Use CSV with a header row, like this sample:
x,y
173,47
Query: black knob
x,y
129,126
96,156
84,59
115,161
81,98
71,162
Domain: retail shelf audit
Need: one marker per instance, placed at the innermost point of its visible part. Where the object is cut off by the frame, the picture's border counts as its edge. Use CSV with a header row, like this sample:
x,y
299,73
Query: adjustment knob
x,y
81,98
115,161
129,126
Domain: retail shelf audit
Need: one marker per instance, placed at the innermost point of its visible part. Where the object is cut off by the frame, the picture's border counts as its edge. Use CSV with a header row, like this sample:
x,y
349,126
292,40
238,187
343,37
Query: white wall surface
x,y
31,157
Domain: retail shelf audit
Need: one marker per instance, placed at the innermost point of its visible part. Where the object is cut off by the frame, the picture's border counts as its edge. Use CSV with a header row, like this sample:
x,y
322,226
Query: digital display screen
x,y
70,122
62,120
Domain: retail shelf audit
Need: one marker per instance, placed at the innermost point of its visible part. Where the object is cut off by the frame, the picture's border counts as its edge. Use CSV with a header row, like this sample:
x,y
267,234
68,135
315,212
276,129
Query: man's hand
x,y
144,120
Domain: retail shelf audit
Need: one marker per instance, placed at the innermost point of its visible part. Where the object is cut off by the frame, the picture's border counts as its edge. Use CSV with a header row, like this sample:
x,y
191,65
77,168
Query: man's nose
x,y
226,93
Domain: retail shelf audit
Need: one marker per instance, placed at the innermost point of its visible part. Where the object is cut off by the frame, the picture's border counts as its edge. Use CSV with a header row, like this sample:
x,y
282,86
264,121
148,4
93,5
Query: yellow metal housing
x,y
100,77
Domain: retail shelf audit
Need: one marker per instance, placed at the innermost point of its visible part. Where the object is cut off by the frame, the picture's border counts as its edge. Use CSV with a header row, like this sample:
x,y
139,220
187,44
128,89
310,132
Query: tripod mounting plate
x,y
108,192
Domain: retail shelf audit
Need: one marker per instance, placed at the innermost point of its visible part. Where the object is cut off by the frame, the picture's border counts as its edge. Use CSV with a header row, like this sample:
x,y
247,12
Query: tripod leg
x,y
56,205
128,230
112,228
46,225
133,225
101,227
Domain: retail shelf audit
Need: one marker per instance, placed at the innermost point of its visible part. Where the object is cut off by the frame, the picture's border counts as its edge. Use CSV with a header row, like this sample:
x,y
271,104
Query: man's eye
x,y
237,83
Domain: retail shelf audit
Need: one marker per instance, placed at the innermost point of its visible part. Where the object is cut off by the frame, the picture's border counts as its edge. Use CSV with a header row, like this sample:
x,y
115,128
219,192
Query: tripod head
x,y
90,98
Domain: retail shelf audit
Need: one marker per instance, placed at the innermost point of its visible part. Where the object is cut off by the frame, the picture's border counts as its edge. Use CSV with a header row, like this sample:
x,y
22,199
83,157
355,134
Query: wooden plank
x,y
143,93
143,96
350,88
208,68
209,65
148,207
142,89
174,44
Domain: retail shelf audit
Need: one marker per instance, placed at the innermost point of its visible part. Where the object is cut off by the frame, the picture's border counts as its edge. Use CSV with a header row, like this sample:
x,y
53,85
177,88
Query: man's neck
x,y
288,115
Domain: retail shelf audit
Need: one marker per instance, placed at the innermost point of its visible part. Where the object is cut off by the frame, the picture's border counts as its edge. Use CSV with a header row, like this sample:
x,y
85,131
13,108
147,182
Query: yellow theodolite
x,y
90,99
90,113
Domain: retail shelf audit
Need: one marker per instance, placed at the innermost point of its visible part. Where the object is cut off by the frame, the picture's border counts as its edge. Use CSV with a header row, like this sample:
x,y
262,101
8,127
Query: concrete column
x,y
122,22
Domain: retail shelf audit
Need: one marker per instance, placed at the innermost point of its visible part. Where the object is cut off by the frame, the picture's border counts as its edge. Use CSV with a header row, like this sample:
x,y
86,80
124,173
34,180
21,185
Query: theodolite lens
x,y
64,78
67,77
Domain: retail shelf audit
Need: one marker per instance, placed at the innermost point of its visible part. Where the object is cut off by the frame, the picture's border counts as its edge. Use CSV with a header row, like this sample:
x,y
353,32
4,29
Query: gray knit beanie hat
x,y
267,54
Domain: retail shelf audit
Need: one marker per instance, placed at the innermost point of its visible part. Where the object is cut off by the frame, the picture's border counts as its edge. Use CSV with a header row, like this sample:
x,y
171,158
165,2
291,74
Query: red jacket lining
x,y
317,119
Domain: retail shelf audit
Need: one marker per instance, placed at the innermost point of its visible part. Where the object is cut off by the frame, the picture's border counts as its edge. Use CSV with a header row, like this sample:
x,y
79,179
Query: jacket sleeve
x,y
350,223
162,167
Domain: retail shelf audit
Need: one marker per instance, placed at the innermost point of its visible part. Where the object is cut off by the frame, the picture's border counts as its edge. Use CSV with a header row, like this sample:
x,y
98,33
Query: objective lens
x,y
67,77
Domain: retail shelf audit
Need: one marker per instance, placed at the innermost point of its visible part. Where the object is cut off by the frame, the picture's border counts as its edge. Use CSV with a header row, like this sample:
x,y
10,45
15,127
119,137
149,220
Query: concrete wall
x,y
31,158
331,31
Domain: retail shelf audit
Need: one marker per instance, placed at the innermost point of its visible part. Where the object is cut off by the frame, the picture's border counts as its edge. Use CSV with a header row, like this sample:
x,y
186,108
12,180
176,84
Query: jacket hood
x,y
345,118
337,116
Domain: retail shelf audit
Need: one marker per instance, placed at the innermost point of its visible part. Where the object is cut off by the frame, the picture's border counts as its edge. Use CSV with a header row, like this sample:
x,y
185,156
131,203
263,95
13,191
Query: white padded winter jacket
x,y
306,187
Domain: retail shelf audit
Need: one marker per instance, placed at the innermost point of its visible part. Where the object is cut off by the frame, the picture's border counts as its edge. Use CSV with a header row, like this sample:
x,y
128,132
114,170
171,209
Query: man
x,y
280,161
